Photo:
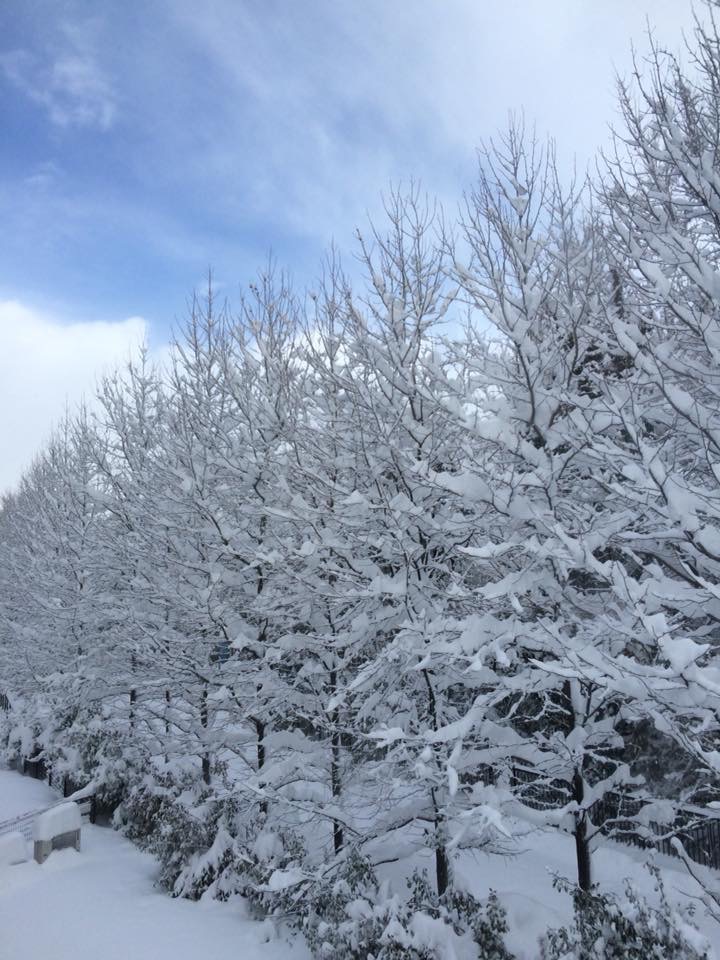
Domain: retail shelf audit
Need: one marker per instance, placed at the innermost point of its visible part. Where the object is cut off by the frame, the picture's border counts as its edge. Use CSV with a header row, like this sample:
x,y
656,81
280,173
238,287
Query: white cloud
x,y
67,81
47,366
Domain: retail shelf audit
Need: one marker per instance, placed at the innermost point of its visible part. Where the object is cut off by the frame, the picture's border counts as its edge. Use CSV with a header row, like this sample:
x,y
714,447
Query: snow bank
x,y
57,820
12,849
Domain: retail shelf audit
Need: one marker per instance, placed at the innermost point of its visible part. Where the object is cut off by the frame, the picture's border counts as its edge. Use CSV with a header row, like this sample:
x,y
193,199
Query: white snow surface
x,y
102,903
58,820
13,849
524,885
19,795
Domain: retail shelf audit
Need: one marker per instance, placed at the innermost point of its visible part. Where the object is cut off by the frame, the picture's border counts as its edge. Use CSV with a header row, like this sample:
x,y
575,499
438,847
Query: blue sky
x,y
143,143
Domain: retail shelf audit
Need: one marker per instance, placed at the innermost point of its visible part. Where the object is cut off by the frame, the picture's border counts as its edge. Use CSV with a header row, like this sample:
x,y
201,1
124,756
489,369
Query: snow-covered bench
x,y
56,829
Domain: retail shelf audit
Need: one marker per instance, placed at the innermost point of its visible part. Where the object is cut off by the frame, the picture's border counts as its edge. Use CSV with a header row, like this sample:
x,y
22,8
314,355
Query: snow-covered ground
x,y
101,904
524,885
21,794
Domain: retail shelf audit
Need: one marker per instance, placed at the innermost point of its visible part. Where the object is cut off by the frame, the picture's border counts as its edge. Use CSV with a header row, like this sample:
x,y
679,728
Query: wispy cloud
x,y
313,108
65,79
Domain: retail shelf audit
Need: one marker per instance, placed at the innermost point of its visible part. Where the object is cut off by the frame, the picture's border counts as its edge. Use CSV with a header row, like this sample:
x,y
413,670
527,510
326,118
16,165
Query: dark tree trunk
x,y
442,865
260,732
204,723
133,692
335,778
336,787
582,841
442,870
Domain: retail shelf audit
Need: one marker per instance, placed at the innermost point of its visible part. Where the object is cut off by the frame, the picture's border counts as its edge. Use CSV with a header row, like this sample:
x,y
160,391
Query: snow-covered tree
x,y
542,721
398,533
663,204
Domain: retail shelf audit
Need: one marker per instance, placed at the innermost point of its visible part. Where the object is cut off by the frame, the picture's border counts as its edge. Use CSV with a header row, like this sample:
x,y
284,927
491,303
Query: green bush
x,y
608,927
352,917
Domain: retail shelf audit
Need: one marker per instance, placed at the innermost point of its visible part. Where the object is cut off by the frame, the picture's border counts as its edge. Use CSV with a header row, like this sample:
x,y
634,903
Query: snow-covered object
x,y
58,820
12,849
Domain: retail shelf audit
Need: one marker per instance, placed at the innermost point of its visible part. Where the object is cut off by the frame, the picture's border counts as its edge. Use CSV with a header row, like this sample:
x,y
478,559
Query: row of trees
x,y
396,567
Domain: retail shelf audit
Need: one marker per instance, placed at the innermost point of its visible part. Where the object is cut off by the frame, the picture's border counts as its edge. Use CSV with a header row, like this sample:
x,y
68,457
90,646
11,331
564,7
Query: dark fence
x,y
696,828
701,842
616,816
35,767
38,768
